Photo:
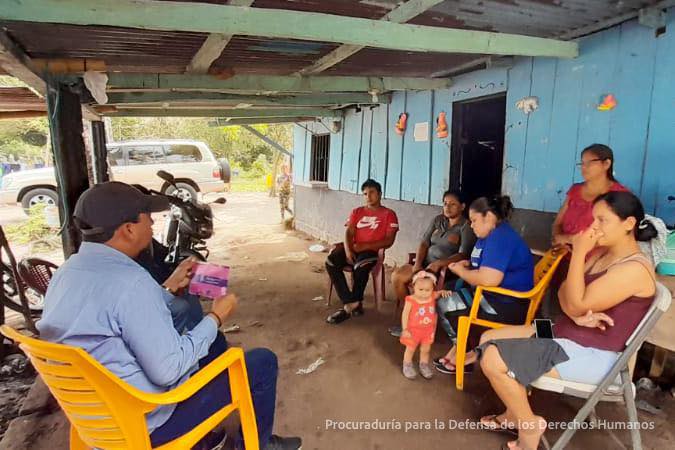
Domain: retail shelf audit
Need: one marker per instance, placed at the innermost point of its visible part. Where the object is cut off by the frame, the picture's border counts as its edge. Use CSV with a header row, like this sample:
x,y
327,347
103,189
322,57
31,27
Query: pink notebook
x,y
209,280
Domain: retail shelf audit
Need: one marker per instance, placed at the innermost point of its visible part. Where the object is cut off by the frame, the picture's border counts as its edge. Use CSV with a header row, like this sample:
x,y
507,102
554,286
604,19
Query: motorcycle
x,y
188,224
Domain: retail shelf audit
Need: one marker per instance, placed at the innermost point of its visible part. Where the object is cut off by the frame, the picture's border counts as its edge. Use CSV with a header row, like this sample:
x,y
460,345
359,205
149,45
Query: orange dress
x,y
421,322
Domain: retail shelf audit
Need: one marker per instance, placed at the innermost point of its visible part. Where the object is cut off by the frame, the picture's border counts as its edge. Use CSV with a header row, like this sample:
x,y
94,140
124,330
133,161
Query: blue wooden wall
x,y
541,148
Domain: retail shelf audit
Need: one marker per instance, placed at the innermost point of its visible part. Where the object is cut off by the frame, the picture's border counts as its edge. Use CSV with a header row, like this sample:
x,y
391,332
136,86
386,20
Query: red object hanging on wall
x,y
401,123
441,125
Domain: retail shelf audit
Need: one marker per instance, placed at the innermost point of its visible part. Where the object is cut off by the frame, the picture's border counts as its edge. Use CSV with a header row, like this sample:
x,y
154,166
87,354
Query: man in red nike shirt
x,y
369,229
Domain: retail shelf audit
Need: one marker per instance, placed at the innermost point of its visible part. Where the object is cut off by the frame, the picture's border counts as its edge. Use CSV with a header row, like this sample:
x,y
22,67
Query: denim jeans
x,y
186,312
262,369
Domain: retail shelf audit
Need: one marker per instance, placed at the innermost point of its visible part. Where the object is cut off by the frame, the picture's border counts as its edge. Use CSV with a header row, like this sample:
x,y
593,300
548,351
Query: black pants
x,y
363,264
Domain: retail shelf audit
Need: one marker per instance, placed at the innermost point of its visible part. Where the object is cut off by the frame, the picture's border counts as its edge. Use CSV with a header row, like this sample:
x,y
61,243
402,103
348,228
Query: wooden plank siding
x,y
415,176
541,148
658,182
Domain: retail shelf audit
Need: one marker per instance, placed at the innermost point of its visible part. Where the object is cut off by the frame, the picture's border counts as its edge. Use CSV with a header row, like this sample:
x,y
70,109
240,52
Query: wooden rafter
x,y
400,14
16,63
182,98
279,23
222,122
212,47
219,112
269,84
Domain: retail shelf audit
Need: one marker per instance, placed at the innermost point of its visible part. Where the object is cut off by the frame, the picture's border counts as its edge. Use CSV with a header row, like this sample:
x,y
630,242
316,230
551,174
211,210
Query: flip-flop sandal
x,y
338,316
490,423
506,447
440,362
449,369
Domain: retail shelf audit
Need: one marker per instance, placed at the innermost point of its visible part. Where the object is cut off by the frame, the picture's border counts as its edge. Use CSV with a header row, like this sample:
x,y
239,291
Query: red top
x,y
422,315
579,213
373,224
626,315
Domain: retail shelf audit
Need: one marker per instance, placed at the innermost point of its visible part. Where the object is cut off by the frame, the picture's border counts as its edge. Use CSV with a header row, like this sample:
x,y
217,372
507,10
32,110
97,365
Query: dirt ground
x,y
278,280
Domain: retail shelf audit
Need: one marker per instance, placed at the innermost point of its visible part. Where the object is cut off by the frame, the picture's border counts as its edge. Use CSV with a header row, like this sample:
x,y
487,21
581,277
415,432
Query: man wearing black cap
x,y
104,302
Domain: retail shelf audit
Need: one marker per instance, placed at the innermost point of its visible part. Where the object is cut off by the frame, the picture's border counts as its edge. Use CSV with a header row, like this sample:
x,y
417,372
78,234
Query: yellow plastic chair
x,y
107,413
543,272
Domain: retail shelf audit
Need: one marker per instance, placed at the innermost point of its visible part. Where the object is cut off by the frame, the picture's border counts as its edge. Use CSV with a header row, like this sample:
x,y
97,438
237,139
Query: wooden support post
x,y
100,152
65,124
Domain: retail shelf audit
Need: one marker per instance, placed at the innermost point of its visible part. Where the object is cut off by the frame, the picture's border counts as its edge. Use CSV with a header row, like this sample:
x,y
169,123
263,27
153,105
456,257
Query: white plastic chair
x,y
617,385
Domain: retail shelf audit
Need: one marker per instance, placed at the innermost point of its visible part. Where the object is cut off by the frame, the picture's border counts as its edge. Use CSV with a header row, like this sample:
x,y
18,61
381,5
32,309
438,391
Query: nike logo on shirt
x,y
368,222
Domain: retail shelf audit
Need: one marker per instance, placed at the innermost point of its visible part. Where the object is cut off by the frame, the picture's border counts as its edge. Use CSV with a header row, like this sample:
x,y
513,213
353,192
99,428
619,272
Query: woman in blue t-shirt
x,y
500,258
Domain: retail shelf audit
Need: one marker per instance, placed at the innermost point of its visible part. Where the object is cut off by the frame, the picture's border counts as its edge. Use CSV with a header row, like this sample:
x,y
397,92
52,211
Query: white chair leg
x,y
631,410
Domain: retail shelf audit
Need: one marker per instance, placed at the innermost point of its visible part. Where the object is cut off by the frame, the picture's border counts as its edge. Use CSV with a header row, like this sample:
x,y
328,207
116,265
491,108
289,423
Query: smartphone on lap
x,y
543,328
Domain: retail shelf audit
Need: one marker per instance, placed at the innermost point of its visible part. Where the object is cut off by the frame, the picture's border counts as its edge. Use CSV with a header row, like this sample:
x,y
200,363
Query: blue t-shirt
x,y
506,251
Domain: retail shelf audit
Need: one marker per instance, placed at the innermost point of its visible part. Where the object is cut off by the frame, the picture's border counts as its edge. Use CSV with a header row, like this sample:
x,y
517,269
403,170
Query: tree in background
x,y
25,139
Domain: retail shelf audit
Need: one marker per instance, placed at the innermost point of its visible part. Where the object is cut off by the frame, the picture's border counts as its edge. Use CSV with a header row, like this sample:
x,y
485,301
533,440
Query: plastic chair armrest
x,y
196,381
510,293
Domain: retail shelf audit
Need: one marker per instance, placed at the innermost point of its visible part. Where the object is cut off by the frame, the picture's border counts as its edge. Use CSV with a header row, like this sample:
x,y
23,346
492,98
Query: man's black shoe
x,y
283,443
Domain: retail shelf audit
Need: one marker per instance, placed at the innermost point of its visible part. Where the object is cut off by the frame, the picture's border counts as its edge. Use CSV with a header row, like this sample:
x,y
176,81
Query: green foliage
x,y
13,140
33,229
10,81
234,143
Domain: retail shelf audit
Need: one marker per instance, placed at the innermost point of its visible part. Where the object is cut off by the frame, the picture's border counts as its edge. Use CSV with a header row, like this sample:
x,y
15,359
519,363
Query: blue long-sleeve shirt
x,y
104,302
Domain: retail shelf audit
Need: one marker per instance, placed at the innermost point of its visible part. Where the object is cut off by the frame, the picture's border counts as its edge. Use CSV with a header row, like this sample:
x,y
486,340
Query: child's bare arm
x,y
404,316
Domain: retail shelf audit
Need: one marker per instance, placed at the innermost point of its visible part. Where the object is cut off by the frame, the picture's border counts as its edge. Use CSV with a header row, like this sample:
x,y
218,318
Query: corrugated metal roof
x,y
134,50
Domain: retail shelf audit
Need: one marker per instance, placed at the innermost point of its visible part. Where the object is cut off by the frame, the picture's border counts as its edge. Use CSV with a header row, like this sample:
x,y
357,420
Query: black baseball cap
x,y
104,207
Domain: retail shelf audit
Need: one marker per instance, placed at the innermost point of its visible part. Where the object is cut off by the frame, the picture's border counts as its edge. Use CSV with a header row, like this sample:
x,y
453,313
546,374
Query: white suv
x,y
134,162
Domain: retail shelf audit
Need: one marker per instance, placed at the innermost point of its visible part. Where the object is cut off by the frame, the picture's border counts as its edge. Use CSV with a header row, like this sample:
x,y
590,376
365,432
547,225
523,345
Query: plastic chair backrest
x,y
36,273
546,264
99,405
543,273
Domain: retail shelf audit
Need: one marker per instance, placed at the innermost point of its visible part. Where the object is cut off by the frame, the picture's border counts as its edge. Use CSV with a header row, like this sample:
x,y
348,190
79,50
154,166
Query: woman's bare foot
x,y
529,434
469,358
499,422
450,356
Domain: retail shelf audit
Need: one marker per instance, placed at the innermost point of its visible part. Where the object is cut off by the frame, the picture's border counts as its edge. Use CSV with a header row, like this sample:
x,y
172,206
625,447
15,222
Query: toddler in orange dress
x,y
418,323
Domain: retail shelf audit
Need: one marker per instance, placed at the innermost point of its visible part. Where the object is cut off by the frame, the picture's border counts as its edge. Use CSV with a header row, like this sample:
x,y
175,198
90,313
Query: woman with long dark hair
x,y
604,298
499,258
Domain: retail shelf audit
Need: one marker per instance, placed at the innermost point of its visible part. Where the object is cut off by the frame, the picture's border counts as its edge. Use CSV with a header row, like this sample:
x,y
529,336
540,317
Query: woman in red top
x,y
597,167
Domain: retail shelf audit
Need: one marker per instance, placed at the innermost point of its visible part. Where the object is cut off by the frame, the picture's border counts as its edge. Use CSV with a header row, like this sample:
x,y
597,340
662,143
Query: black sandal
x,y
338,316
450,369
358,311
491,423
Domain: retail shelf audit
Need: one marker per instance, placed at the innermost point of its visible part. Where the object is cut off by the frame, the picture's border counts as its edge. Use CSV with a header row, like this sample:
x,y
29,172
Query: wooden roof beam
x,y
279,23
16,63
400,14
233,113
270,84
180,98
212,47
222,122
12,115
